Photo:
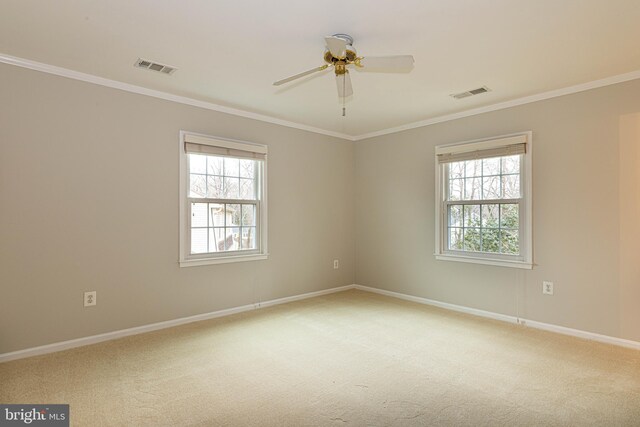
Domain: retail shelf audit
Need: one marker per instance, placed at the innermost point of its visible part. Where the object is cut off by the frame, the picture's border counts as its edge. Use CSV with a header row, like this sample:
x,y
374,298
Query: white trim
x,y
194,262
483,144
307,295
595,84
127,87
93,339
486,261
445,305
581,334
215,141
525,259
89,78
262,253
507,318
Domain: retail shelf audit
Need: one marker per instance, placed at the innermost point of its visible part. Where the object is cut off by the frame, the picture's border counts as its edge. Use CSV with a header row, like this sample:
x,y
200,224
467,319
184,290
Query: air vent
x,y
471,92
154,66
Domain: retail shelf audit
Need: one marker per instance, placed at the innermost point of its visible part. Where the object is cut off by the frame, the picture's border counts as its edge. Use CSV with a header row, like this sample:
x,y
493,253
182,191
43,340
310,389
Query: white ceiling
x,y
230,52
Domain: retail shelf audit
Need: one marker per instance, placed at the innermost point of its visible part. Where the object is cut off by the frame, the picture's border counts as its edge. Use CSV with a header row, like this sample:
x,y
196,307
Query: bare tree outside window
x,y
224,219
487,219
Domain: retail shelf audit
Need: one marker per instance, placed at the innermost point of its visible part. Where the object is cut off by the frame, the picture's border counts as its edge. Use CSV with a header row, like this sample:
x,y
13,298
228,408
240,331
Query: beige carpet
x,y
352,358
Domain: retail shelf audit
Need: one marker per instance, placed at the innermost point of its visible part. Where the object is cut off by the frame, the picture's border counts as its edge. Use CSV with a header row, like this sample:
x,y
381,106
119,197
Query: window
x,y
483,191
222,195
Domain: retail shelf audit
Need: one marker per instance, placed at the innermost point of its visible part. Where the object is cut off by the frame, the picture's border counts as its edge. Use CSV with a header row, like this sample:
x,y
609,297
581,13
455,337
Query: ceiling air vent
x,y
471,92
154,66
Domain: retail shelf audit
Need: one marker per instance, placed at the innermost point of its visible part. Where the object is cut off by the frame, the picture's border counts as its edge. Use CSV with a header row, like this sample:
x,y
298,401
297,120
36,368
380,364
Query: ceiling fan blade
x,y
343,82
389,64
337,46
297,76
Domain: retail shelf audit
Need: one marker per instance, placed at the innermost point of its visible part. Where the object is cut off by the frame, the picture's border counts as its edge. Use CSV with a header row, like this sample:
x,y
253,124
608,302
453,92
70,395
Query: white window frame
x,y
525,259
187,259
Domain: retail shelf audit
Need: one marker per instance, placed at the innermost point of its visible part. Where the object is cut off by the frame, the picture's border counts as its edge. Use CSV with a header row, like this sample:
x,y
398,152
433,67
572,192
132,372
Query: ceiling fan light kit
x,y
340,54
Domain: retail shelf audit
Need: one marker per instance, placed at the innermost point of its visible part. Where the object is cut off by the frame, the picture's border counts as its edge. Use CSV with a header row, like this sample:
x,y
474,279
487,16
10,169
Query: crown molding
x,y
620,78
90,78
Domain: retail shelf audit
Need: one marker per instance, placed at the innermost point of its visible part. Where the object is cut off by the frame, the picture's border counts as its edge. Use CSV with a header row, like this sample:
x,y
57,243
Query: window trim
x,y
185,258
525,260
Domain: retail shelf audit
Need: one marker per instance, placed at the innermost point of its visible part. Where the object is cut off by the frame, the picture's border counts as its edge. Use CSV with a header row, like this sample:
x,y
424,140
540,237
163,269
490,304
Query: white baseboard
x,y
453,307
79,342
510,319
93,339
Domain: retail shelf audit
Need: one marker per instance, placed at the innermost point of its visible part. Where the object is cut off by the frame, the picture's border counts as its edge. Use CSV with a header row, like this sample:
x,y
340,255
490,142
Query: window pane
x,y
456,170
511,164
197,163
490,240
248,215
472,216
485,226
490,216
197,186
214,165
456,241
472,189
247,168
509,216
233,214
226,243
455,189
231,188
511,186
455,215
216,215
214,187
248,238
232,240
231,167
198,240
212,240
491,187
509,242
247,190
473,168
217,242
231,224
491,166
199,215
472,239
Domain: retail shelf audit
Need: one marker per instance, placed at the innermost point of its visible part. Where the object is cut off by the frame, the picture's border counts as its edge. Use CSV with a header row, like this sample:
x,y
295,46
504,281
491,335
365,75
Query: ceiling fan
x,y
340,54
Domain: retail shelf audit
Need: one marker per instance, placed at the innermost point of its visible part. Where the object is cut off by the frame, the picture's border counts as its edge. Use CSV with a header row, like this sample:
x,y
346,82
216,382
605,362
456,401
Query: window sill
x,y
222,260
486,261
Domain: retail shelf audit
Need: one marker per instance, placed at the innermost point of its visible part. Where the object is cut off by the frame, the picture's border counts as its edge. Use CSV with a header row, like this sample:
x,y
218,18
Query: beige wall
x,y
89,201
586,180
629,211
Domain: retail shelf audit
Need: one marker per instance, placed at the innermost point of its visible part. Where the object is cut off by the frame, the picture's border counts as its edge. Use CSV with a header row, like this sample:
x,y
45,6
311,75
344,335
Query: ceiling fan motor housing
x,y
351,54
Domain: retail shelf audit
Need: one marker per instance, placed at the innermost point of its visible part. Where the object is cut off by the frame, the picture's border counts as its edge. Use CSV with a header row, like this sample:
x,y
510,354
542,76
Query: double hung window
x,y
223,210
484,201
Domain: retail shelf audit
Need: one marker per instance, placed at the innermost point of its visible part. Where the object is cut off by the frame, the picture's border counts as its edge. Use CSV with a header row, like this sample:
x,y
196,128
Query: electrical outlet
x,y
90,298
336,264
547,288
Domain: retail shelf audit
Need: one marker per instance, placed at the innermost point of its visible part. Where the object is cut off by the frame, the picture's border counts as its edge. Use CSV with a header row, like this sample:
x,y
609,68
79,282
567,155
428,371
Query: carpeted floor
x,y
351,358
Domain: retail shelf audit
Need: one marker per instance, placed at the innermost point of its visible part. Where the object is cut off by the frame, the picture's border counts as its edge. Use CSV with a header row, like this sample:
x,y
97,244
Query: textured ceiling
x,y
230,52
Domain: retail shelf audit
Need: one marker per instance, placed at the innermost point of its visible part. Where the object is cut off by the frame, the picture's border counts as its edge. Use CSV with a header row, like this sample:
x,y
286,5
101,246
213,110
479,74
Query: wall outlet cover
x,y
90,298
